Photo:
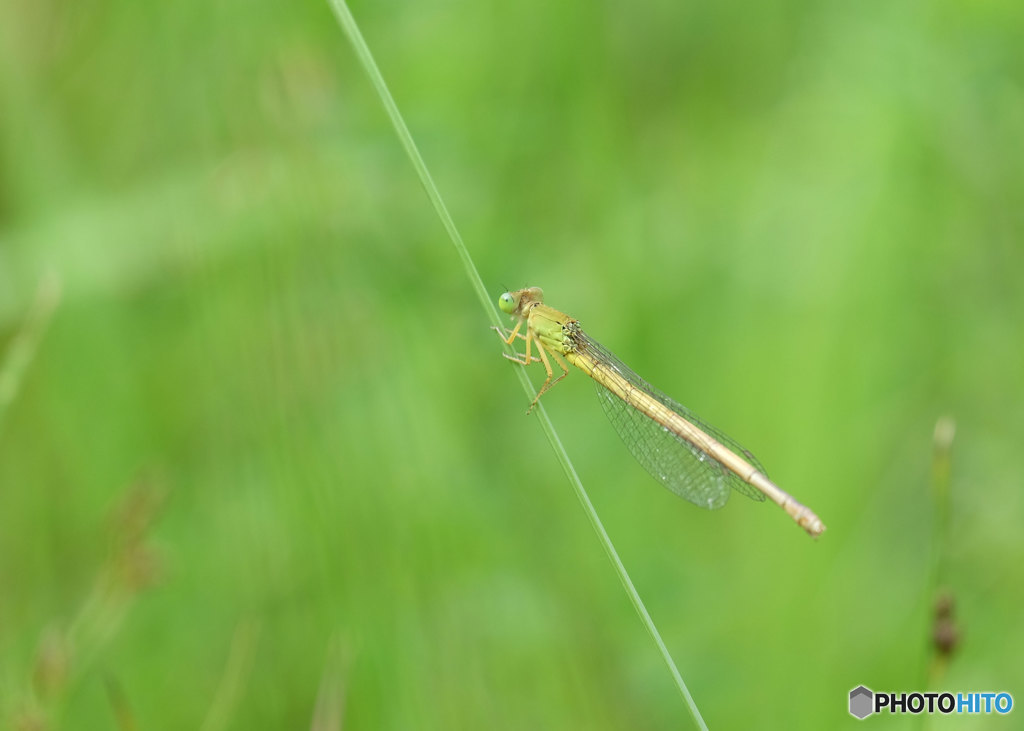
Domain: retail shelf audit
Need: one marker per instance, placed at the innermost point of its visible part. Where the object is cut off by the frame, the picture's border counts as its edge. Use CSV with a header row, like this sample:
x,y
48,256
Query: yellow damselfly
x,y
681,451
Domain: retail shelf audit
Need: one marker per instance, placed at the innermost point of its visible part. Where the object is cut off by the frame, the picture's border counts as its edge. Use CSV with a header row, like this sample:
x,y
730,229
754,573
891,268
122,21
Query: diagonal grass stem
x,y
351,29
16,361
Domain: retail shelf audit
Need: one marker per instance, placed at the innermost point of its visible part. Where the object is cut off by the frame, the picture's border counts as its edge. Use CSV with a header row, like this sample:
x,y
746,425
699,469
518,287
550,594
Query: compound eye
x,y
507,303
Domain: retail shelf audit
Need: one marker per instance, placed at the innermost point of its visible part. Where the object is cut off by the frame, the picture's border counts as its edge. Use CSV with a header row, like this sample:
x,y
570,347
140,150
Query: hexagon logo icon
x,y
861,702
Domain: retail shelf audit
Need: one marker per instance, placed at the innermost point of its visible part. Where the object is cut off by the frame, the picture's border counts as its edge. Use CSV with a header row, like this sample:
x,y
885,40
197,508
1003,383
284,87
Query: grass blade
x,y
23,347
351,29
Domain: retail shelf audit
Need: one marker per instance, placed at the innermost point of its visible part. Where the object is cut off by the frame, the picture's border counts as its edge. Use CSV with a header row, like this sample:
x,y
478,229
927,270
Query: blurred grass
x,y
802,220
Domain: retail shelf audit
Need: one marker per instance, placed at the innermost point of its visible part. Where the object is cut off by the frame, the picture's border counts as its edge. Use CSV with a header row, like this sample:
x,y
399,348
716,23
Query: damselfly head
x,y
513,303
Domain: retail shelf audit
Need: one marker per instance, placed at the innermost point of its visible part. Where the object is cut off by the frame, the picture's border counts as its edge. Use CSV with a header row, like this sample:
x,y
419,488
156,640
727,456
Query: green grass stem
x,y
355,37
23,347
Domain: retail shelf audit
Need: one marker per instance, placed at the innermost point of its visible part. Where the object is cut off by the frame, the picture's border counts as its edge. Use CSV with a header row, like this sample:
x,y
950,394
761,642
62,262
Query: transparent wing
x,y
682,467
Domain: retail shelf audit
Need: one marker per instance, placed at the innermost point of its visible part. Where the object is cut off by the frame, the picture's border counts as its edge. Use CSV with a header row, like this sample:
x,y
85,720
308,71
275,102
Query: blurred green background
x,y
263,466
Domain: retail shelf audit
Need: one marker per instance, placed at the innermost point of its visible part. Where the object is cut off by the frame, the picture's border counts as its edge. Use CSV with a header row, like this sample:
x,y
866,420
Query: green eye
x,y
507,303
